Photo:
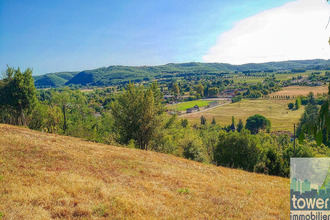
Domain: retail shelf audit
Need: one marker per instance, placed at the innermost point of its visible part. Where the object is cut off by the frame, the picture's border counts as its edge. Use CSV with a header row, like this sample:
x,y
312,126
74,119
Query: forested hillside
x,y
53,79
114,75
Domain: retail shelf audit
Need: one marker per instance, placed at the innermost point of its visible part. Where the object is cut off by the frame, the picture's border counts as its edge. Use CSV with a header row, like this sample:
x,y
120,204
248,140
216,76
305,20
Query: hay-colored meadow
x,y
300,90
277,111
45,176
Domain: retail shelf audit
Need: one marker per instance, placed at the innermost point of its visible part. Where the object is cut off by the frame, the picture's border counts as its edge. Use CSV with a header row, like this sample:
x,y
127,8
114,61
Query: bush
x,y
238,150
302,150
272,163
236,99
193,149
290,105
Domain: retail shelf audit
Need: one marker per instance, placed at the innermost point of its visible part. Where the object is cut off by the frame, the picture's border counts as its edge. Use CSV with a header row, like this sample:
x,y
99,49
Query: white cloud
x,y
294,31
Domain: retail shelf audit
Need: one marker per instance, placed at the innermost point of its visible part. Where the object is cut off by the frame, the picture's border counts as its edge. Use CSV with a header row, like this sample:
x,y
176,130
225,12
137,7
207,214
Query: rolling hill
x,y
46,176
53,79
114,75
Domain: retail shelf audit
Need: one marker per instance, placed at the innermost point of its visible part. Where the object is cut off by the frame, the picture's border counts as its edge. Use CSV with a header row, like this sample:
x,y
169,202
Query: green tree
x,y
213,92
307,122
63,99
213,121
203,120
290,105
17,93
298,103
256,122
193,148
200,90
184,122
322,133
175,88
240,125
315,122
238,150
137,114
272,163
74,108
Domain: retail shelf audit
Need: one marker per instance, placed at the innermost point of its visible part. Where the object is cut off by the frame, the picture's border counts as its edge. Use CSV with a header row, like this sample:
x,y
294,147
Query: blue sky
x,y
69,35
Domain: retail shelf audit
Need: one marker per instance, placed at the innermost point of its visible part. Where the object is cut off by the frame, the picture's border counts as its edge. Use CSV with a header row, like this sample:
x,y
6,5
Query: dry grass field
x,y
300,90
46,176
275,110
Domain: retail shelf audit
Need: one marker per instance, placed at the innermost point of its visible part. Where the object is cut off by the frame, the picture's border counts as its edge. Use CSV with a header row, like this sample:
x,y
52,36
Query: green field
x,y
282,119
184,105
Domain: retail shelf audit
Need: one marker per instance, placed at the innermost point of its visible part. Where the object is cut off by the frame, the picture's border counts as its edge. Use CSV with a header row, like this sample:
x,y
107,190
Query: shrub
x,y
184,122
302,150
272,163
238,150
193,149
290,105
236,99
183,191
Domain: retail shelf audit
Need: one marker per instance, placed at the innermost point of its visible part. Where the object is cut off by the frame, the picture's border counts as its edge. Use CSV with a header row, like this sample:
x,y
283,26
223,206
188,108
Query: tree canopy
x,y
137,114
256,122
17,95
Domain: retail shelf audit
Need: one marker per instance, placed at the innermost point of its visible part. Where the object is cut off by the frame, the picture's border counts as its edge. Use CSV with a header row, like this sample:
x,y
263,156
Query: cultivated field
x,y
46,176
276,110
300,90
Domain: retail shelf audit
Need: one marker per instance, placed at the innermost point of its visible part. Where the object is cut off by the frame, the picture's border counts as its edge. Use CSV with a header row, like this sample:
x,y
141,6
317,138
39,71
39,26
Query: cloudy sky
x,y
296,30
73,35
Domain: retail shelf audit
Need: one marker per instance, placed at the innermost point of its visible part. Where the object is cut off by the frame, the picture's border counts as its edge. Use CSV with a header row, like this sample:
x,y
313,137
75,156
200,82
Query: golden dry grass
x,y
45,176
300,90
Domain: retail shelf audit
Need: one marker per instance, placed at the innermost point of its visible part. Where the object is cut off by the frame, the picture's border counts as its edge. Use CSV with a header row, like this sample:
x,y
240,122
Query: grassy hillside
x,y
48,176
114,75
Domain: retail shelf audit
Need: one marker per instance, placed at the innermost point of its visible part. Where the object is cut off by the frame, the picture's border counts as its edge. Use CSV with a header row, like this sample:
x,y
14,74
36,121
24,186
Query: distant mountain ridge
x,y
114,75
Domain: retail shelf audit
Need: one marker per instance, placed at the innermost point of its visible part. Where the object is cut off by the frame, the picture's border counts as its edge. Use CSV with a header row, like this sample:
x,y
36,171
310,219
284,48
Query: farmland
x,y
45,176
300,90
276,110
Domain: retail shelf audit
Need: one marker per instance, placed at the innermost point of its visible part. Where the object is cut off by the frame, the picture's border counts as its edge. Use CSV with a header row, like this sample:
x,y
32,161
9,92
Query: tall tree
x,y
63,99
175,88
18,93
200,90
213,92
298,103
203,120
137,114
307,122
322,133
240,125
